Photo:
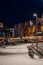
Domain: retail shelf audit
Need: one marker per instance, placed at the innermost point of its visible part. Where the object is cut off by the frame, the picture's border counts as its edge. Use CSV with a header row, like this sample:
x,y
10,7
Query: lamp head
x,y
34,14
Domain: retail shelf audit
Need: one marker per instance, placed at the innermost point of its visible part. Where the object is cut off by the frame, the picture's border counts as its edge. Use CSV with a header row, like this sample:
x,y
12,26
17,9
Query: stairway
x,y
35,52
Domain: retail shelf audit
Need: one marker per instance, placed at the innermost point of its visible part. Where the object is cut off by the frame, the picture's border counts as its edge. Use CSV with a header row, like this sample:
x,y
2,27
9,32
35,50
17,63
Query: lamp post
x,y
35,15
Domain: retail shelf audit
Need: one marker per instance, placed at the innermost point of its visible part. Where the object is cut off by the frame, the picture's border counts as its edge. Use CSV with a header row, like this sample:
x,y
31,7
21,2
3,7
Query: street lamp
x,y
35,15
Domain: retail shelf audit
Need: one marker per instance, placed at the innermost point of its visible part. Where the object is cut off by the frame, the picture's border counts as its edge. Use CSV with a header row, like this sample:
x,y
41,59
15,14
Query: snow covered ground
x,y
19,59
15,49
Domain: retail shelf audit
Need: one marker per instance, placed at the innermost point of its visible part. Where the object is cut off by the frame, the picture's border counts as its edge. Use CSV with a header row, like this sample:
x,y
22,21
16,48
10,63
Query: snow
x,y
15,49
19,59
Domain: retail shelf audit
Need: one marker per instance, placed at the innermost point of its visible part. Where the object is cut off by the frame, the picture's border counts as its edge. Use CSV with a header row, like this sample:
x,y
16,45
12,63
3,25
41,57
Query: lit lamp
x,y
35,15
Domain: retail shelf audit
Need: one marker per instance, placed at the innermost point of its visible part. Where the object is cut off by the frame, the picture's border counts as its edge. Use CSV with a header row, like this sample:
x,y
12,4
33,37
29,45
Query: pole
x,y
36,31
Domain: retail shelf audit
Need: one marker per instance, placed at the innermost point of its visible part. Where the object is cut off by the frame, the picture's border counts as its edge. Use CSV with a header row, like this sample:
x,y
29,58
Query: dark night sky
x,y
15,11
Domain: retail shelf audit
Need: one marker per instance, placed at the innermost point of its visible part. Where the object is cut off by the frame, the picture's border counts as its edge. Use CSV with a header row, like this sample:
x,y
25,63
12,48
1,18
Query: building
x,y
1,25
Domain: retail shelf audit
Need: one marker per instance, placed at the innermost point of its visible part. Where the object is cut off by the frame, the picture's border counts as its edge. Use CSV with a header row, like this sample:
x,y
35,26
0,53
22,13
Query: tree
x,y
26,28
20,29
32,28
16,30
